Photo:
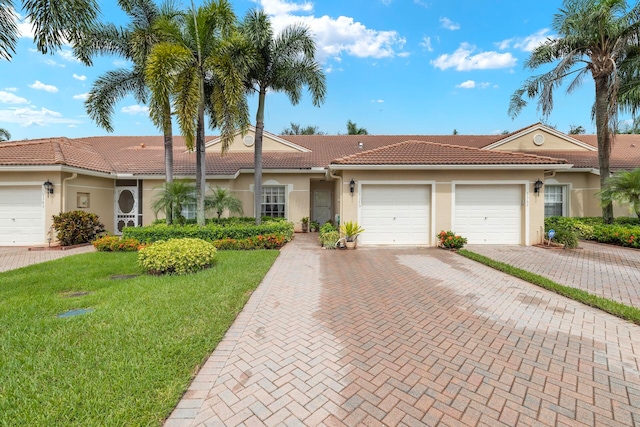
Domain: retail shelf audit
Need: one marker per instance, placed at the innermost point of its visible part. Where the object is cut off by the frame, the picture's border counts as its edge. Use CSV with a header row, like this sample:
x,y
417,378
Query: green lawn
x,y
130,360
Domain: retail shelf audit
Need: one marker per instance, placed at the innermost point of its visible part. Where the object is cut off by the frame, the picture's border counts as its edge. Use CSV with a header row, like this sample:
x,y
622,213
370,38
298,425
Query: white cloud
x,y
404,54
31,116
387,2
449,24
334,36
38,85
53,63
135,109
463,60
79,77
120,63
11,89
283,7
379,101
484,85
421,3
469,84
81,96
426,43
526,44
9,98
73,126
67,55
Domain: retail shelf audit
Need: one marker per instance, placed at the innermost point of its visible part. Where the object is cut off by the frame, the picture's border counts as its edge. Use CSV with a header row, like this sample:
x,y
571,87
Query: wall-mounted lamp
x,y
48,186
352,186
537,186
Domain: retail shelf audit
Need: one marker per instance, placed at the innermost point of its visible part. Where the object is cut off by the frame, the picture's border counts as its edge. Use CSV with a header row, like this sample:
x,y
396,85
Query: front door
x,y
126,208
321,206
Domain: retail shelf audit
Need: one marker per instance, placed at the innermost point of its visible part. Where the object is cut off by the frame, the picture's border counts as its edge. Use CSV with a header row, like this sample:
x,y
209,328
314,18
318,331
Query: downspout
x,y
330,174
63,196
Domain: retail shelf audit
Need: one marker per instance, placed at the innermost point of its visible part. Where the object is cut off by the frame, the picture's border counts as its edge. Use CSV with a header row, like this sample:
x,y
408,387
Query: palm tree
x,y
623,187
201,65
133,43
223,199
4,135
284,63
55,23
296,129
597,37
174,196
353,129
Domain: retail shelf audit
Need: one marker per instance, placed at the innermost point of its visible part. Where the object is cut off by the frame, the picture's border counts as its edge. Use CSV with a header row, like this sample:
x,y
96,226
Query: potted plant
x,y
351,230
314,226
305,224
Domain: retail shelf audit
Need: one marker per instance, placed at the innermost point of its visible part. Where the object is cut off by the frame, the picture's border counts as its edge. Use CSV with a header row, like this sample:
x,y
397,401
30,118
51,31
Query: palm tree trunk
x,y
257,156
604,139
201,166
168,157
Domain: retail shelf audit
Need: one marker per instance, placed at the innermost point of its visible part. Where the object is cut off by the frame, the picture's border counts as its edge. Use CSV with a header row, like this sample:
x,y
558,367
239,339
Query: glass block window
x,y
273,201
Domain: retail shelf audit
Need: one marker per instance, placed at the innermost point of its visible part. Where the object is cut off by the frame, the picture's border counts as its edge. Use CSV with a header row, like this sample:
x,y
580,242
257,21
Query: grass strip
x,y
618,309
129,361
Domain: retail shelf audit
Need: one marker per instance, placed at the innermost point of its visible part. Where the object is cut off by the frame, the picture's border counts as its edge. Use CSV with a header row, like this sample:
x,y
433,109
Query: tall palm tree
x,y
353,129
201,65
55,22
133,43
4,135
284,63
623,187
596,37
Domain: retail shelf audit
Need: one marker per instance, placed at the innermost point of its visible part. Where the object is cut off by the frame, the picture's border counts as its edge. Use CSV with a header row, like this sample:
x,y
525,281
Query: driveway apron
x,y
413,336
17,257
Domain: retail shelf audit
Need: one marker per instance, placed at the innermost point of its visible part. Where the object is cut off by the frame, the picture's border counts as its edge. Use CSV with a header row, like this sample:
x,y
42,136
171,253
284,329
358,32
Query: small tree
x,y
222,199
576,130
77,227
173,197
353,129
296,129
623,187
4,135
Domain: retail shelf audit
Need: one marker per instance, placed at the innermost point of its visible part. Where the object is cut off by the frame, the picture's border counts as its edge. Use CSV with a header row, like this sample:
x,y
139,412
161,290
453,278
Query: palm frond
x,y
8,29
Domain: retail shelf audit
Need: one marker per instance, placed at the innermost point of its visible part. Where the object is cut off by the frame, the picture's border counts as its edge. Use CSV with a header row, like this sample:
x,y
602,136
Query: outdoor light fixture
x,y
537,186
352,186
48,185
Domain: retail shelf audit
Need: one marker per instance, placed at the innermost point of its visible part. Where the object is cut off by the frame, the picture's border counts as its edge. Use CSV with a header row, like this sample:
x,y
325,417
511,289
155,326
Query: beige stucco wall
x,y
551,142
298,203
100,196
583,187
269,143
443,194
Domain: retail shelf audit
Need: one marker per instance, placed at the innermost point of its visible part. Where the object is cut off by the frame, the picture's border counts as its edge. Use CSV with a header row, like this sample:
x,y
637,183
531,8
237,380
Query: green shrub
x,y
116,244
77,227
211,232
177,256
329,239
623,232
450,240
271,241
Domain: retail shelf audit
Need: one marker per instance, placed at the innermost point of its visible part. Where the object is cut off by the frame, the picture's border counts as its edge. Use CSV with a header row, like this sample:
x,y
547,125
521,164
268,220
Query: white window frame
x,y
564,192
281,193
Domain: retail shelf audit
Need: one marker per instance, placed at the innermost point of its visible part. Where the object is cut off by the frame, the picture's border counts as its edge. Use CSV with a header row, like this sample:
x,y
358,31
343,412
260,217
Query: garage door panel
x,y
489,214
395,214
21,216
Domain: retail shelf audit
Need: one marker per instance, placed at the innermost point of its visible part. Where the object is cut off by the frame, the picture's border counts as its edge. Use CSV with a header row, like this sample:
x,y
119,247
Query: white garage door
x,y
489,214
395,214
21,216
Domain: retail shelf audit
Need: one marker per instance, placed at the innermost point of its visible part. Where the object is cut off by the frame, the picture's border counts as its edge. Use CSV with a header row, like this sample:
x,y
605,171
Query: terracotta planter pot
x,y
351,245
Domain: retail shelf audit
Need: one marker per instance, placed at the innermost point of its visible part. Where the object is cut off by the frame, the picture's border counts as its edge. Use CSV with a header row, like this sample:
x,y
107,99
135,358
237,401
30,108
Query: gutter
x,y
562,167
330,174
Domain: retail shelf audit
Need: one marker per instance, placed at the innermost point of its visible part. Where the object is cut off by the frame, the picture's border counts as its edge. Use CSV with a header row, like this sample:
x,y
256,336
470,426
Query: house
x,y
402,189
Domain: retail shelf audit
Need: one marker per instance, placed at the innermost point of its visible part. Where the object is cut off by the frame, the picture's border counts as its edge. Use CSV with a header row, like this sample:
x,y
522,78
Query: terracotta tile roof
x,y
144,155
432,153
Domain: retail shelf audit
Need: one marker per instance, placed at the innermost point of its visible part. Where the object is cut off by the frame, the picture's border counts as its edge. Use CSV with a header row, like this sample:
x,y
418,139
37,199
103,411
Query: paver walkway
x,y
401,336
607,271
16,257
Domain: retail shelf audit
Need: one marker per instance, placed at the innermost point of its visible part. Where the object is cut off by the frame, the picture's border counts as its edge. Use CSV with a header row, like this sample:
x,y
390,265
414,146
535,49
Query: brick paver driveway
x,y
16,257
399,336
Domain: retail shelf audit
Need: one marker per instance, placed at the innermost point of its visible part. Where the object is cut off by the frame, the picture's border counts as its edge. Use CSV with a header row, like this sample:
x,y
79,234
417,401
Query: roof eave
x,y
454,167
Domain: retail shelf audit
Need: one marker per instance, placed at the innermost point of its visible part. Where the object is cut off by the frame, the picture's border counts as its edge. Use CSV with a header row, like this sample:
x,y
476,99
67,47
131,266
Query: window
x,y
273,201
555,200
189,209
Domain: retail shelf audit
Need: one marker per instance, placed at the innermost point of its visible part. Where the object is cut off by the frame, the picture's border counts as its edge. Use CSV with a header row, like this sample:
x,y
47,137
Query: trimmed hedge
x,y
270,241
177,256
116,244
210,232
624,232
233,220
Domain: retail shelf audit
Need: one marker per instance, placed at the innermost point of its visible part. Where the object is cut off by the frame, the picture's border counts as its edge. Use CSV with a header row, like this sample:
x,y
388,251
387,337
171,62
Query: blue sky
x,y
392,66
